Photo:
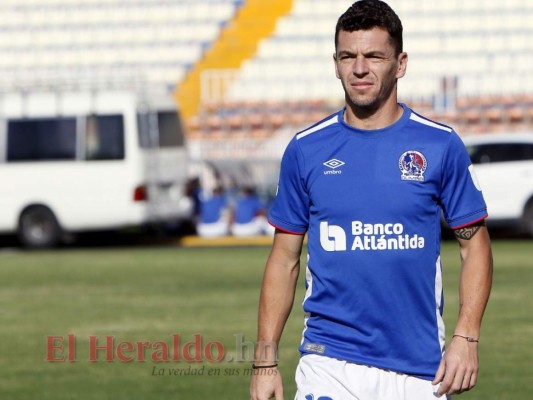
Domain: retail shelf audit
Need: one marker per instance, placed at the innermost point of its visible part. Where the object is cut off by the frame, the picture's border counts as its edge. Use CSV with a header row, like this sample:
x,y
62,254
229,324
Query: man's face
x,y
367,67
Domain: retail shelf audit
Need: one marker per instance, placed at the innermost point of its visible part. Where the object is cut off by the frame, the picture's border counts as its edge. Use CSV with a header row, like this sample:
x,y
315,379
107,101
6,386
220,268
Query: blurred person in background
x,y
193,190
214,214
367,184
248,214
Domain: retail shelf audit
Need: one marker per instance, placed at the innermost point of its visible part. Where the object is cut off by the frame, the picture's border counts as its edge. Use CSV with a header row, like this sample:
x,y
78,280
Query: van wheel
x,y
38,228
528,217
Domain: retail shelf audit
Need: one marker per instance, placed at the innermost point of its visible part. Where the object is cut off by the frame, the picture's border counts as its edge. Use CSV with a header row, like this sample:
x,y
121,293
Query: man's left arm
x,y
459,366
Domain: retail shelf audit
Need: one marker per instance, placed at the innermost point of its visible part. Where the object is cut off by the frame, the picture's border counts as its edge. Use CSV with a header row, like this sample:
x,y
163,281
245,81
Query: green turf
x,y
150,294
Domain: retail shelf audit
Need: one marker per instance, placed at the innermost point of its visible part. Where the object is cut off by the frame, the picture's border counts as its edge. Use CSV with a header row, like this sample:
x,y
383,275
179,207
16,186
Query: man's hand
x,y
458,368
266,384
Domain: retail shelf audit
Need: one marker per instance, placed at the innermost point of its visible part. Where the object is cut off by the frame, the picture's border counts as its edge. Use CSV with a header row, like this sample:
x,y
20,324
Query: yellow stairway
x,y
255,20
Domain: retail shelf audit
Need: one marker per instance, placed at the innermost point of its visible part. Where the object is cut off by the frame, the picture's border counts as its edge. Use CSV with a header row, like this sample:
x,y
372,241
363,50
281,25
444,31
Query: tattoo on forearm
x,y
468,232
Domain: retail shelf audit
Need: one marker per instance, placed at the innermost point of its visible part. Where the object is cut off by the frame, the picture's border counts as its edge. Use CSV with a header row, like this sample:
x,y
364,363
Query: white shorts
x,y
252,228
215,229
324,378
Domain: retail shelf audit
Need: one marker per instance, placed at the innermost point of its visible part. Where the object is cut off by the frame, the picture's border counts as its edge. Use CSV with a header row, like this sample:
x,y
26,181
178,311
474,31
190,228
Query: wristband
x,y
468,338
264,366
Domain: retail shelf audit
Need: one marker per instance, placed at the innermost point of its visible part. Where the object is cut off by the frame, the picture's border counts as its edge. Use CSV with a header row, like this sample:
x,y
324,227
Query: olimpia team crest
x,y
412,164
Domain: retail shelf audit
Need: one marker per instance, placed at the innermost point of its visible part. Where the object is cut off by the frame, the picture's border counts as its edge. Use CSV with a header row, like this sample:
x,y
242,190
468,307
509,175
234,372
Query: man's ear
x,y
336,69
402,65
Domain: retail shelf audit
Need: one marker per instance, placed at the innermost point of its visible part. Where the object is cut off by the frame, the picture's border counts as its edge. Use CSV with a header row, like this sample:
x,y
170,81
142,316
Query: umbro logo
x,y
333,164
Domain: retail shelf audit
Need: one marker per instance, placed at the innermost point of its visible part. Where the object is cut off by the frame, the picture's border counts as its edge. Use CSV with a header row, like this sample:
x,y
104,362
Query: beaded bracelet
x,y
468,338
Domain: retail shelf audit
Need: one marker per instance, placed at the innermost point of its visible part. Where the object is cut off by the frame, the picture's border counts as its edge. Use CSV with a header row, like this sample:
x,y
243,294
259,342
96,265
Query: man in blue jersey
x,y
248,215
214,214
368,185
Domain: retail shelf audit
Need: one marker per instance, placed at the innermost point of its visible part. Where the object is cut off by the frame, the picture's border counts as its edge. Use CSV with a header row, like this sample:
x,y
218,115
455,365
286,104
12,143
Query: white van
x,y
88,160
504,167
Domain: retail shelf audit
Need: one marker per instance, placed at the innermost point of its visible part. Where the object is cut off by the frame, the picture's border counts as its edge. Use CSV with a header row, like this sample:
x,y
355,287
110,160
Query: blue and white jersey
x,y
247,208
211,209
371,204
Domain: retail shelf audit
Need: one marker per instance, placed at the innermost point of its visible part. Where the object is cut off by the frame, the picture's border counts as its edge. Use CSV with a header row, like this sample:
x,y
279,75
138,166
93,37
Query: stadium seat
x,y
443,39
90,34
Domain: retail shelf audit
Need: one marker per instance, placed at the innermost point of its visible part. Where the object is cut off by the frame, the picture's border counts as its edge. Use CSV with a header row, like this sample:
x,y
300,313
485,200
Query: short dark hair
x,y
368,14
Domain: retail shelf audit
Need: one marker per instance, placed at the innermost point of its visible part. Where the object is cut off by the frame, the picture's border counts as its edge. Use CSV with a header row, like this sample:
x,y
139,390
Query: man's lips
x,y
361,85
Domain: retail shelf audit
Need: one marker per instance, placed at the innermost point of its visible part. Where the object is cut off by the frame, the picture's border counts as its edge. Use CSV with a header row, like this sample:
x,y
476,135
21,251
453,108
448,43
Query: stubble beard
x,y
365,104
368,103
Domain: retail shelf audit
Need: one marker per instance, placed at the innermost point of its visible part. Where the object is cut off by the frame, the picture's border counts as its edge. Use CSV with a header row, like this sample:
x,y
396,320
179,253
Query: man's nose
x,y
360,66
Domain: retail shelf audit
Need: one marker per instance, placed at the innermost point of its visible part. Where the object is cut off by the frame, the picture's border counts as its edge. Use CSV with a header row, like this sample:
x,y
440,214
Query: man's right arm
x,y
275,304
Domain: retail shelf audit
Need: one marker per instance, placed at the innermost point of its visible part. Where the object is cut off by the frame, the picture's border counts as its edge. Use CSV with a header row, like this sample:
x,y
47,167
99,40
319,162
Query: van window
x,y
166,131
104,137
170,132
41,139
500,152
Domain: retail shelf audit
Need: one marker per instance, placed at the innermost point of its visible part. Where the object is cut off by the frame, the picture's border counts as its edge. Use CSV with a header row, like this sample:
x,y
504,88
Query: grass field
x,y
150,294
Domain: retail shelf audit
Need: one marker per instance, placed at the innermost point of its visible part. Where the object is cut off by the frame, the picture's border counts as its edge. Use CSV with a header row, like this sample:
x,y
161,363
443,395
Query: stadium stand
x,y
445,39
156,40
248,75
469,65
484,46
237,43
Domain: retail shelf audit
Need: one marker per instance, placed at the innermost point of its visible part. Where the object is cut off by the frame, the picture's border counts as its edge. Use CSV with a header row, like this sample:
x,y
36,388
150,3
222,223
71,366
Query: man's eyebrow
x,y
378,53
369,53
346,53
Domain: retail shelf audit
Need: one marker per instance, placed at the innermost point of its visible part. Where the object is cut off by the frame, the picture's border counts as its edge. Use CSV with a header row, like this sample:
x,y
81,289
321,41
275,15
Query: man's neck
x,y
366,119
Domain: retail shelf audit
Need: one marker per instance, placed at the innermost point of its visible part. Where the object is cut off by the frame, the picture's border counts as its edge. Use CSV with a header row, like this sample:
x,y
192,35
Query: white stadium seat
x,y
470,40
65,35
